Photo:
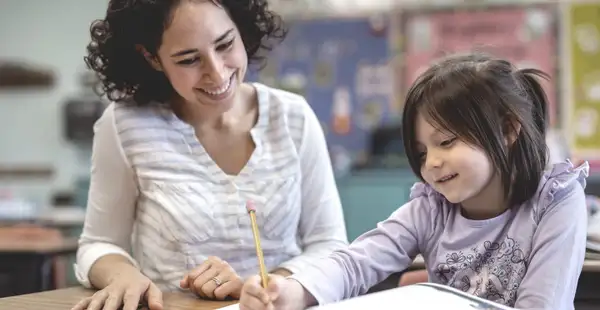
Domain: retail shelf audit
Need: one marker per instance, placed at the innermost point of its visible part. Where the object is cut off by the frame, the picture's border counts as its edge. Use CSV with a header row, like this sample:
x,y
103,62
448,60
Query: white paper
x,y
231,307
418,296
587,122
373,80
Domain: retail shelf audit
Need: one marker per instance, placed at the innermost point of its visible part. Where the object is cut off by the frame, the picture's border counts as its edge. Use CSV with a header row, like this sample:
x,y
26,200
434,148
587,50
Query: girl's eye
x,y
421,156
448,142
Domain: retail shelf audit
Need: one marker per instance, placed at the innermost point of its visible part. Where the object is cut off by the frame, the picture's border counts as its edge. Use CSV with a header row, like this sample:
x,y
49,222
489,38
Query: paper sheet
x,y
418,296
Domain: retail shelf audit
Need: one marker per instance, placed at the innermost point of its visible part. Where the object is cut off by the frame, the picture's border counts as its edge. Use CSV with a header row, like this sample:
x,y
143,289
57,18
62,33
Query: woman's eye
x,y
225,46
188,61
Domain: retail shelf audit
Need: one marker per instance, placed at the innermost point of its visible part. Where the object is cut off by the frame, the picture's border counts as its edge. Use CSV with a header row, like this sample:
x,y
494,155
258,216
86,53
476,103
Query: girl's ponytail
x,y
528,78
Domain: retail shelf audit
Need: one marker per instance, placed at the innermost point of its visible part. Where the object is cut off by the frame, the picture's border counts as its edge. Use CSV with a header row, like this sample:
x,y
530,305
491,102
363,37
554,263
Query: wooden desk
x,y
27,266
591,265
418,263
66,298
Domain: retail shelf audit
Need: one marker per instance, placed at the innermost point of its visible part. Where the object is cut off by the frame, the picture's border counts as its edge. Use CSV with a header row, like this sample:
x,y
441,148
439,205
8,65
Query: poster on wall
x,y
341,67
584,110
525,35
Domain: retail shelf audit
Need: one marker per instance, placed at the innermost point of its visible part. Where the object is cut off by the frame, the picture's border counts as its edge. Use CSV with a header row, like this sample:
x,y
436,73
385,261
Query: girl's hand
x,y
280,294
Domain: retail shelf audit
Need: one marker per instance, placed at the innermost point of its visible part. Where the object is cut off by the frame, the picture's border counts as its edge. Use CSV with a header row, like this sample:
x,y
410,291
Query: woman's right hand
x,y
127,290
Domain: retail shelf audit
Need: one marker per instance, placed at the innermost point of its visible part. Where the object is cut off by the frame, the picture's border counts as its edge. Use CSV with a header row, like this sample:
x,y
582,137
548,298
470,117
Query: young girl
x,y
488,218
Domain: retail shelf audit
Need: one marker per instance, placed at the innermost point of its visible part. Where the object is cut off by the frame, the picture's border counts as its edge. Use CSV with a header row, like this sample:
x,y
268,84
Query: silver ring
x,y
217,281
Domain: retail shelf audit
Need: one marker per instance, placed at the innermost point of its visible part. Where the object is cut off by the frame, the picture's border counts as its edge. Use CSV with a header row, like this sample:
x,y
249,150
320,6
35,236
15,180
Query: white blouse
x,y
157,198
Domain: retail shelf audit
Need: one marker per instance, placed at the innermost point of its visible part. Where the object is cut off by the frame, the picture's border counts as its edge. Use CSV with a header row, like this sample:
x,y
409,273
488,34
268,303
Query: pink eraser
x,y
250,206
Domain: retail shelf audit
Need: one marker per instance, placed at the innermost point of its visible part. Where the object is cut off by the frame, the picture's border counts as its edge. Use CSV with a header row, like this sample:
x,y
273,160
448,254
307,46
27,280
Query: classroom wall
x,y
55,34
52,34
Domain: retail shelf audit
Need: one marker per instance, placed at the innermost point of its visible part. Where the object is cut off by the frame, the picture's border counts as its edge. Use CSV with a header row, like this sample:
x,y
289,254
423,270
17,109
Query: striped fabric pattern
x,y
189,209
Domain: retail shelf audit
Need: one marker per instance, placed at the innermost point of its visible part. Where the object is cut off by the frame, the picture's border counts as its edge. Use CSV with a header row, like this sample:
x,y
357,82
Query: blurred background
x,y
353,61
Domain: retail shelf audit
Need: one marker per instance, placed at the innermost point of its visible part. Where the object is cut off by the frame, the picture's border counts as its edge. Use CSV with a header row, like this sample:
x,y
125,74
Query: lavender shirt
x,y
529,257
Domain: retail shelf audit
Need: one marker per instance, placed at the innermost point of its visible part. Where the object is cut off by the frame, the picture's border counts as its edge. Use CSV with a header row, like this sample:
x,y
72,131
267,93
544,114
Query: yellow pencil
x,y
259,252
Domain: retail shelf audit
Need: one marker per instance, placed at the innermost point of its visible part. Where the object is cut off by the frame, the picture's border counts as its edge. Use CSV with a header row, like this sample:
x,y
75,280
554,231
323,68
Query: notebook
x,y
417,296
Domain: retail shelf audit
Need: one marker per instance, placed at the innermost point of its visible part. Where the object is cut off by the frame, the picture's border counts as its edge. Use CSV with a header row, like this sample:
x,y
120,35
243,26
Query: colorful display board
x,y
583,37
526,35
354,72
341,66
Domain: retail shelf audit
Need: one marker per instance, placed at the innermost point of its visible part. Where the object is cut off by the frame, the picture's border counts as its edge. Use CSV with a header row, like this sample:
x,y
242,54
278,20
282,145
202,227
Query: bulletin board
x,y
527,35
583,23
341,67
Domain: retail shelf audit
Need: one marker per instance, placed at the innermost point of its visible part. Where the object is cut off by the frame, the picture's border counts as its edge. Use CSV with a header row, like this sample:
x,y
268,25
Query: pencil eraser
x,y
250,206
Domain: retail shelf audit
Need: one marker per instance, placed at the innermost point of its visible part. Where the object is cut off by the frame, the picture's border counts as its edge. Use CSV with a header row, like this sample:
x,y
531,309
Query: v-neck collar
x,y
215,172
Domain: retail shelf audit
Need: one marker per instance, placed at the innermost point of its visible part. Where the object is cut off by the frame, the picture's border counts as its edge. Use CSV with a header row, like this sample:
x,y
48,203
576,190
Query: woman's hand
x,y
213,279
128,289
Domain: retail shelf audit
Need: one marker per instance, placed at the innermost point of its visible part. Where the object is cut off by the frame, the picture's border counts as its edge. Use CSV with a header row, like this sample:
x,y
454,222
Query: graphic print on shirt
x,y
493,273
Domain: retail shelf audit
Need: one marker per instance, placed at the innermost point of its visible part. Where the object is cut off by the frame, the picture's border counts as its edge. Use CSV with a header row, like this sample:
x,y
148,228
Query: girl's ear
x,y
512,128
152,60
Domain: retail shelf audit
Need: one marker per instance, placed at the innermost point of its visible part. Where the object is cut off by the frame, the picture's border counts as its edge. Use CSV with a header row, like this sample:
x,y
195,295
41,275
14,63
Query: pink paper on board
x,y
516,33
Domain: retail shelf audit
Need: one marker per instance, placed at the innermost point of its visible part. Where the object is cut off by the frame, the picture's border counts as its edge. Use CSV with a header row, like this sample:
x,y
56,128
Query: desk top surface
x,y
64,299
591,265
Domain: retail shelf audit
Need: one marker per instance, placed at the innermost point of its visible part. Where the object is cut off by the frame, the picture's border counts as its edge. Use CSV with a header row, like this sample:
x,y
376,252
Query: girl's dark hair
x,y
482,100
123,71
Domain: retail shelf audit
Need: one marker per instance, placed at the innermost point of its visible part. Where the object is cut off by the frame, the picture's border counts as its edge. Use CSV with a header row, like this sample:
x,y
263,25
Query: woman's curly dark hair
x,y
123,71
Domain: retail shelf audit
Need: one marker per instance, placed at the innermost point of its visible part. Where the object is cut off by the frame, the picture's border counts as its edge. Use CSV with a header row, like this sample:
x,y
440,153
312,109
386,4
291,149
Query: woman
x,y
186,145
